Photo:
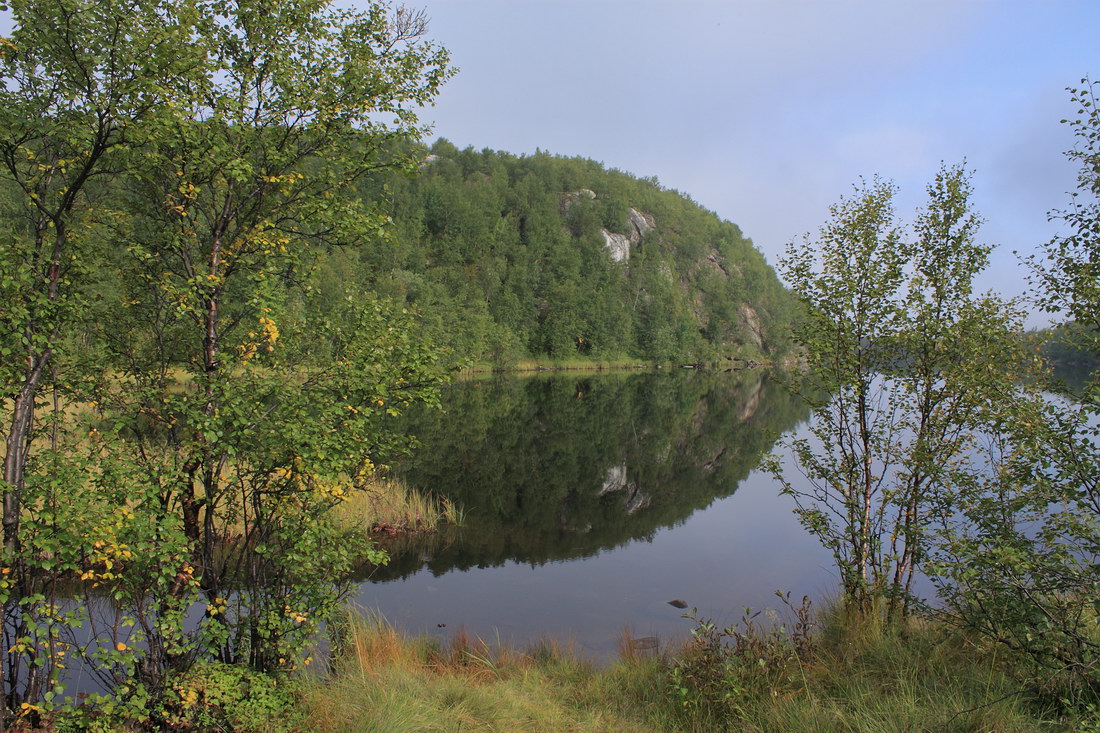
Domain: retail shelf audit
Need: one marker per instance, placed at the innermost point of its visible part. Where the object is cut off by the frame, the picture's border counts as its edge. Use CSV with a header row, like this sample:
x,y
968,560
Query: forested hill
x,y
509,257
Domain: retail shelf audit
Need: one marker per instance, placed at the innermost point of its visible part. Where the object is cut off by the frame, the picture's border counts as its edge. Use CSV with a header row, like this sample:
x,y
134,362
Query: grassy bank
x,y
382,681
839,677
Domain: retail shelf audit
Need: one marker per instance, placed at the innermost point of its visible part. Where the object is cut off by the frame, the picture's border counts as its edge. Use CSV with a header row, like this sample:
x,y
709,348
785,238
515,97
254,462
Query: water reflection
x,y
593,501
563,467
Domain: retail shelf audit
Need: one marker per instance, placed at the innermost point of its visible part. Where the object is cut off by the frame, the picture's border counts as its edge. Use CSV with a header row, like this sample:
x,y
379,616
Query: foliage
x,y
231,697
724,671
172,174
1019,563
910,361
257,418
506,256
1022,564
1067,280
78,81
1068,344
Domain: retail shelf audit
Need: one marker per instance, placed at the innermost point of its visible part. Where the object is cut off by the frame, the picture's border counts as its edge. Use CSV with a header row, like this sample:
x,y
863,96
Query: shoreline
x,y
526,367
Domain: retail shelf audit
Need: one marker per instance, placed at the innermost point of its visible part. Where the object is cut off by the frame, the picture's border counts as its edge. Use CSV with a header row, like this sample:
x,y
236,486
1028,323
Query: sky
x,y
768,111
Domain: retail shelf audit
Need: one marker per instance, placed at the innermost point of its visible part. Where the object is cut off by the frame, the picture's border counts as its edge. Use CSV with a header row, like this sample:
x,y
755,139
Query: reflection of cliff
x,y
616,482
561,467
747,408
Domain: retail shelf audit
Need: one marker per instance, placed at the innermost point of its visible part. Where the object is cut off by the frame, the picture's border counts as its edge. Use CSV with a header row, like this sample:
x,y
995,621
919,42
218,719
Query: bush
x,y
230,698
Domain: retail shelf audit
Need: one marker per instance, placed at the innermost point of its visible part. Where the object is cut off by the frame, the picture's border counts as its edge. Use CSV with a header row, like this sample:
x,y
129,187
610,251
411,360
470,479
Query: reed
x,y
389,506
381,681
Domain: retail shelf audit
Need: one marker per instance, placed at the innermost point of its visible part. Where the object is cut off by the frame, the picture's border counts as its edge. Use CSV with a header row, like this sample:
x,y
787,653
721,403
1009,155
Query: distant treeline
x,y
1069,344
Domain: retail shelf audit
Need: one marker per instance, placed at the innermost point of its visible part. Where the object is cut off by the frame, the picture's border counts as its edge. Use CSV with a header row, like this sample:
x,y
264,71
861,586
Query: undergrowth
x,y
789,671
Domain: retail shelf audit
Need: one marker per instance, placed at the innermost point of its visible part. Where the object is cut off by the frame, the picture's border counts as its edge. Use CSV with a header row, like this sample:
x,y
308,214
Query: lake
x,y
593,500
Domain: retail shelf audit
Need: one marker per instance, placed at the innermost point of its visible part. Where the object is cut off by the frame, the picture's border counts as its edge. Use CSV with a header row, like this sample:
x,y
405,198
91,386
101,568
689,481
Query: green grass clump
x,y
825,674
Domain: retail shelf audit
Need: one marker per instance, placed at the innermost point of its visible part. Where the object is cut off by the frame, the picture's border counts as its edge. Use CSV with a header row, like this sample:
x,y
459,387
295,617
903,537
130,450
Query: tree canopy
x,y
508,256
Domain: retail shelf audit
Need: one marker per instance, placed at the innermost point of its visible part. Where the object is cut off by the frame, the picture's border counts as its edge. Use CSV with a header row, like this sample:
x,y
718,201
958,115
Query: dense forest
x,y
507,257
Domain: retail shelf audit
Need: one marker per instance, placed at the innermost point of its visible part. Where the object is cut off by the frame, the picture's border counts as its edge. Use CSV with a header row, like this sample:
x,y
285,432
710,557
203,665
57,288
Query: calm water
x,y
592,501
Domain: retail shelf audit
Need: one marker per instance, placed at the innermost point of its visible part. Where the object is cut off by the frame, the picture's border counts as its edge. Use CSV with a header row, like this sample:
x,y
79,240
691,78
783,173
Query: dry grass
x,y
383,682
387,505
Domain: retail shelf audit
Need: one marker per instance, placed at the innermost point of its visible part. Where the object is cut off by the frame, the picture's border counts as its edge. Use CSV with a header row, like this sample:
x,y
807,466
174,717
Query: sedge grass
x,y
383,682
390,503
858,678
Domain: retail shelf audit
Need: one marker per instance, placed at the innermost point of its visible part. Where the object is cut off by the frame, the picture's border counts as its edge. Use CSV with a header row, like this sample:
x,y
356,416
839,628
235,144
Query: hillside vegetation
x,y
507,257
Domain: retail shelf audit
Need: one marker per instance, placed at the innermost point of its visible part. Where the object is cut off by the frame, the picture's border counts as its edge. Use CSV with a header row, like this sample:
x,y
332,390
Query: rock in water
x,y
678,603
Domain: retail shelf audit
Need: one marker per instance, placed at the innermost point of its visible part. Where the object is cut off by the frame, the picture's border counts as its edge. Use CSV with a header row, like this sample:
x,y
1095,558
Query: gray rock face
x,y
750,322
634,500
639,223
642,224
749,407
714,260
619,244
615,480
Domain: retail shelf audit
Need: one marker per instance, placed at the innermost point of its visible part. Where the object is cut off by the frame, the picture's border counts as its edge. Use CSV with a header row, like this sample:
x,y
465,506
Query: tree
x,y
1021,562
892,334
229,415
961,357
79,80
852,311
251,411
1067,279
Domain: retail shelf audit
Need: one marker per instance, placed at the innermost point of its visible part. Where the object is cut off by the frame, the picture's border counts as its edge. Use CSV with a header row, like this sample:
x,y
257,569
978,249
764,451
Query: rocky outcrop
x,y
750,324
618,244
712,465
748,408
636,501
714,261
568,199
614,481
639,223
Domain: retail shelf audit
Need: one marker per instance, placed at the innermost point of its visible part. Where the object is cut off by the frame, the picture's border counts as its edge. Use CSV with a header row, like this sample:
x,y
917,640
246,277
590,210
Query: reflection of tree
x,y
561,467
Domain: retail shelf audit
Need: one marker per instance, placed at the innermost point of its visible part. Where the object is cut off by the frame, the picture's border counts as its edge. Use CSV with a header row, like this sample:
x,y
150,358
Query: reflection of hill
x,y
561,467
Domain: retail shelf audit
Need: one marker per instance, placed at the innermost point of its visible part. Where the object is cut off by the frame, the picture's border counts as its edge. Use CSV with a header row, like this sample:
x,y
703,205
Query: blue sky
x,y
768,111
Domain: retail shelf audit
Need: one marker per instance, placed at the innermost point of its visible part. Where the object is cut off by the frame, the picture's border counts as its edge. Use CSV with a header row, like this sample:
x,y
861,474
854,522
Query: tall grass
x,y
388,505
848,676
853,674
578,364
383,682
